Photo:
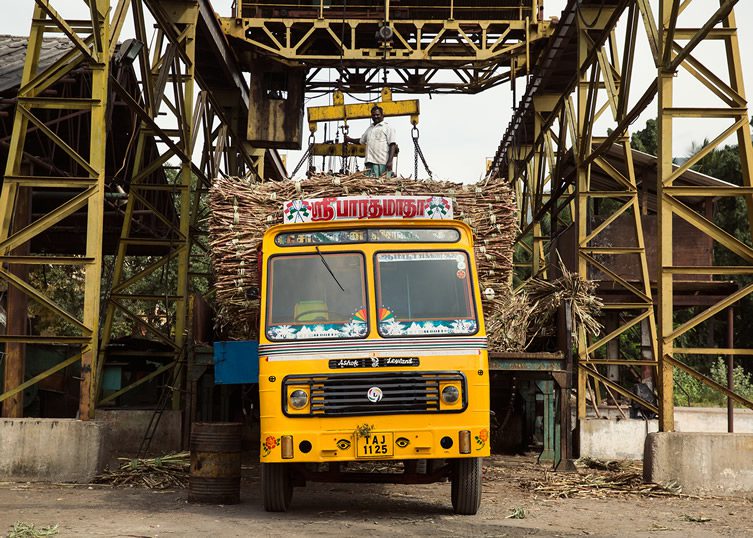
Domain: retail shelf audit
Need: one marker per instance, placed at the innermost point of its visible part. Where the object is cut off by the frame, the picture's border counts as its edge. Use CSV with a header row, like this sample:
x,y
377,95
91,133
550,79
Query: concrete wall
x,y
614,439
126,429
711,419
617,438
702,463
50,450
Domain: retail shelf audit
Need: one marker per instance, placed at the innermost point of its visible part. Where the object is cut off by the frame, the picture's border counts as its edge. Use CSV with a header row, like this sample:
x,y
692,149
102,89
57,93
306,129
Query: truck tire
x,y
276,486
465,488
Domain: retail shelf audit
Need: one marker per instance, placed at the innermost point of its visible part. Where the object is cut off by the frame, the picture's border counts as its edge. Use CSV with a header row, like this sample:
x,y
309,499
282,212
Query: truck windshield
x,y
424,294
307,302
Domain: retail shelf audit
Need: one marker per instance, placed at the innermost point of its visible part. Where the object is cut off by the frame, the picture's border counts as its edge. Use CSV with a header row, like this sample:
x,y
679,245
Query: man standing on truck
x,y
380,144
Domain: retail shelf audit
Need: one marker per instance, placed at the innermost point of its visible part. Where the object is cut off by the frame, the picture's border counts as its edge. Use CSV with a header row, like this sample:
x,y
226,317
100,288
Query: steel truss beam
x,y
603,92
564,176
90,45
676,48
198,137
477,54
169,81
605,66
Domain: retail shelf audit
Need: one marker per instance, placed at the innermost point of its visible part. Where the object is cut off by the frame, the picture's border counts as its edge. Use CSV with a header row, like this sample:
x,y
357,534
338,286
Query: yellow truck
x,y
372,347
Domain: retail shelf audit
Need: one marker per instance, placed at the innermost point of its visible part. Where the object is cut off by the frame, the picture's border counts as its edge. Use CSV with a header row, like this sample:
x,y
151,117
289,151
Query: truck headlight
x,y
450,394
298,399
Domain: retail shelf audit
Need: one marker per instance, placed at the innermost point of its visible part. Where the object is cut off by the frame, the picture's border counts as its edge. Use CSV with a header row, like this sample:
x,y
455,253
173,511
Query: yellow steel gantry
x,y
91,44
197,120
562,168
201,139
676,45
551,152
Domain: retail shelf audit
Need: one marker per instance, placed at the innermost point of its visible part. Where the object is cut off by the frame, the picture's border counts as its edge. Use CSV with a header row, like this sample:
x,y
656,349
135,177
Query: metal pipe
x,y
730,369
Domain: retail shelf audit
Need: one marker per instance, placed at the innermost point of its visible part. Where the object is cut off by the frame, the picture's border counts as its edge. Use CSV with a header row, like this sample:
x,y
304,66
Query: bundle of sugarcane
x,y
508,317
609,465
546,296
170,471
242,211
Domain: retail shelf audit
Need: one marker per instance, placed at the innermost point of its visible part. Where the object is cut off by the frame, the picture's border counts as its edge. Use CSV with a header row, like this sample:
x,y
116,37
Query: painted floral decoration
x,y
481,439
270,443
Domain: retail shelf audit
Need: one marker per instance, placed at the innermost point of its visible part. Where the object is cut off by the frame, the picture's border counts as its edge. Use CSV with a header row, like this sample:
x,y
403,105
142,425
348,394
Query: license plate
x,y
375,445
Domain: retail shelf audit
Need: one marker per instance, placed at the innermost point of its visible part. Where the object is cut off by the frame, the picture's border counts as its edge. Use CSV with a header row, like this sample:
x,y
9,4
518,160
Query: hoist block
x,y
339,111
336,150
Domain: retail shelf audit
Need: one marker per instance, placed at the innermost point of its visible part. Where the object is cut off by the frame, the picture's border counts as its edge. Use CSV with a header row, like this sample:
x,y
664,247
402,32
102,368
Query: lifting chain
x,y
345,160
418,153
307,155
310,154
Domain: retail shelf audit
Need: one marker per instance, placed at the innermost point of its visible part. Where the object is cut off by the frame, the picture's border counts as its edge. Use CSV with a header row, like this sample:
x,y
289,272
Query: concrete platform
x,y
51,450
702,463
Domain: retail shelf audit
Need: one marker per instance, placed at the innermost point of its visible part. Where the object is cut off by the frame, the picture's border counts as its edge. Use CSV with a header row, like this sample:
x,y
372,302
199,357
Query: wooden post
x,y
17,318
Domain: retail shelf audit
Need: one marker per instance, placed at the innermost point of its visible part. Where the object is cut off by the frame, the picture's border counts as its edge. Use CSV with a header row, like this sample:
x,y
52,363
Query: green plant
x,y
21,529
693,392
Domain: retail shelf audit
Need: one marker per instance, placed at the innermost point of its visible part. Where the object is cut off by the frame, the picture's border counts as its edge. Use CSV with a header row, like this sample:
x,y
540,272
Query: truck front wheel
x,y
466,486
276,486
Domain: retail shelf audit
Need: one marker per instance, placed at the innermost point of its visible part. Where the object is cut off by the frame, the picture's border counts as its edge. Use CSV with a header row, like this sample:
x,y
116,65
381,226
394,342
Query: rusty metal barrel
x,y
215,463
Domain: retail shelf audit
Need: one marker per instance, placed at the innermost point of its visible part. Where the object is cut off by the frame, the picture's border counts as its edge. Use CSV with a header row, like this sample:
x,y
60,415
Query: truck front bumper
x,y
365,443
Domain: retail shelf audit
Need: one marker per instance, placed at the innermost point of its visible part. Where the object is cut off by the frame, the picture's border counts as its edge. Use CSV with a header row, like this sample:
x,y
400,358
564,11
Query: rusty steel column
x,y
17,313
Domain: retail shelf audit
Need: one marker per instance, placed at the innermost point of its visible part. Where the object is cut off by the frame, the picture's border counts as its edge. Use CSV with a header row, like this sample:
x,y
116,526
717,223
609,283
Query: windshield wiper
x,y
327,266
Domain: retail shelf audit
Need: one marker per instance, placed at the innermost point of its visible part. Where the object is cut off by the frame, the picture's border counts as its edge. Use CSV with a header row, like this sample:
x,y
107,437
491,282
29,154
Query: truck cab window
x,y
424,293
306,302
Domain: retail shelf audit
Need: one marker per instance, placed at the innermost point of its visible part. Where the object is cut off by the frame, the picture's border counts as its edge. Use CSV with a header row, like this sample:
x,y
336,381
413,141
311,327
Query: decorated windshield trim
x,y
393,327
388,326
356,327
352,329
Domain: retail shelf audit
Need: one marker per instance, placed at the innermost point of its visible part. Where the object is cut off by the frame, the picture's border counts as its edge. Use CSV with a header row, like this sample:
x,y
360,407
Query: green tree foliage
x,y
646,139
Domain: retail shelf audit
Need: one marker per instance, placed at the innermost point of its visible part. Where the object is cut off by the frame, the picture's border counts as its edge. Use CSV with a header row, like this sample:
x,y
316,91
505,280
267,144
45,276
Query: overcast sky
x,y
459,132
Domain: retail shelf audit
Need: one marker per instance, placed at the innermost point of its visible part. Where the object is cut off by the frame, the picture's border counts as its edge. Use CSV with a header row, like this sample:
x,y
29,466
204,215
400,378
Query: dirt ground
x,y
512,485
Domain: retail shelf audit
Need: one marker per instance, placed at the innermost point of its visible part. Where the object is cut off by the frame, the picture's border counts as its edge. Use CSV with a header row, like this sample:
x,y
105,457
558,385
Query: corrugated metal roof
x,y
13,53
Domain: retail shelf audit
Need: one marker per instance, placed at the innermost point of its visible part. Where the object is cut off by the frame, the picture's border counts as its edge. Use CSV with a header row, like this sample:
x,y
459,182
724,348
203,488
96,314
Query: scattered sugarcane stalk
x,y
564,486
21,529
164,472
608,465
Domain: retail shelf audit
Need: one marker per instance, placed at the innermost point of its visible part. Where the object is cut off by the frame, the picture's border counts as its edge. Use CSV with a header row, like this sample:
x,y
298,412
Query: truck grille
x,y
346,394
